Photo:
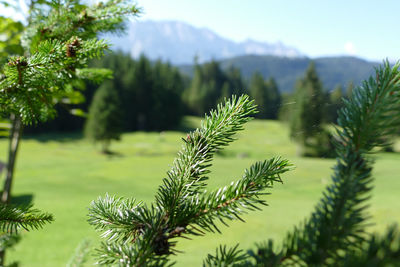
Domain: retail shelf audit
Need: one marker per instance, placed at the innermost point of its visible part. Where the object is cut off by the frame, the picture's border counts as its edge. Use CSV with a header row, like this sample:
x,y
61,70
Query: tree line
x,y
154,96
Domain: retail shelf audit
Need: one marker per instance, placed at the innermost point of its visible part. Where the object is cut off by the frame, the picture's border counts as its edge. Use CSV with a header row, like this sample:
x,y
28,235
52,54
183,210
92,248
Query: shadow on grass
x,y
112,154
188,124
58,137
24,200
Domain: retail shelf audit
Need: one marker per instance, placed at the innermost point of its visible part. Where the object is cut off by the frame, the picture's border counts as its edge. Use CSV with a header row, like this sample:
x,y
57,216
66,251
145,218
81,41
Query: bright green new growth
x,y
139,235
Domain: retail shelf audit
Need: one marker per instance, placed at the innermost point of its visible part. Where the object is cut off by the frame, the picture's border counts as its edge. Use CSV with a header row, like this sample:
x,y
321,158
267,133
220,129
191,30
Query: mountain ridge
x,y
182,44
179,43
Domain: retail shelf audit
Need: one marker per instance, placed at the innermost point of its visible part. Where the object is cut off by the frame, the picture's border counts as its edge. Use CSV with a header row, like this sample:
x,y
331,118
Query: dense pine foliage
x,y
210,85
266,96
46,60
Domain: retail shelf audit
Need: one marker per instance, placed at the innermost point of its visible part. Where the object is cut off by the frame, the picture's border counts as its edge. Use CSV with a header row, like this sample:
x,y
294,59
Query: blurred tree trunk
x,y
15,136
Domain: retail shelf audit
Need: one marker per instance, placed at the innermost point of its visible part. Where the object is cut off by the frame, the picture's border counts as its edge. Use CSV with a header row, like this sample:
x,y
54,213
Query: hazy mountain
x,y
180,43
331,70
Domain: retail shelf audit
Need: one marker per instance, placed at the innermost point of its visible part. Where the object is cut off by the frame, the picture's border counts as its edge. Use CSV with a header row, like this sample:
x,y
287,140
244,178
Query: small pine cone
x,y
71,52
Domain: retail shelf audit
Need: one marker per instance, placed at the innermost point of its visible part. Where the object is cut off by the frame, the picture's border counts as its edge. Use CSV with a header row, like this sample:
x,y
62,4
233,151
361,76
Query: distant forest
x,y
154,96
333,71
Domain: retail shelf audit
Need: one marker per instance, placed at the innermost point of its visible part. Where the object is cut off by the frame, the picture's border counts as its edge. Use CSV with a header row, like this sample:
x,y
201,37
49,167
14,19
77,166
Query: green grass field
x,y
64,173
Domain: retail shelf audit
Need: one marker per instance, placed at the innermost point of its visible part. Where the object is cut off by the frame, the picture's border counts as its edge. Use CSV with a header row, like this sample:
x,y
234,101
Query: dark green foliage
x,y
138,234
210,85
150,93
226,257
167,105
377,250
286,71
275,99
307,111
266,96
334,102
104,122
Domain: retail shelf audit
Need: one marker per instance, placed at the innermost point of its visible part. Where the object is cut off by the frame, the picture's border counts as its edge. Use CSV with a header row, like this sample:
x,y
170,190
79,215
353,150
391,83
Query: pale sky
x,y
367,29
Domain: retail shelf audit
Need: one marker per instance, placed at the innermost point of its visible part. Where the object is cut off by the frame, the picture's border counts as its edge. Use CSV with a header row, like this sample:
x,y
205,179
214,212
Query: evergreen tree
x,y
104,121
307,112
275,99
349,89
150,92
138,234
59,39
167,106
233,84
334,104
209,85
258,91
266,95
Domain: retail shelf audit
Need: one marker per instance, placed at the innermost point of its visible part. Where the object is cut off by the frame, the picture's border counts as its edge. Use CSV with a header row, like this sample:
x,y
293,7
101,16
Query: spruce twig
x,y
141,235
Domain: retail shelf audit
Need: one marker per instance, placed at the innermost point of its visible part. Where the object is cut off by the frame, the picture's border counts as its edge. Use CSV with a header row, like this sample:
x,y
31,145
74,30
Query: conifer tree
x,y
104,122
307,112
150,92
258,91
275,99
59,39
266,96
335,102
209,86
167,105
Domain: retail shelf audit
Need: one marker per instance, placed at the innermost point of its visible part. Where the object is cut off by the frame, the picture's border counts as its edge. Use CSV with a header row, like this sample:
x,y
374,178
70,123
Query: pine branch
x,y
31,83
60,38
14,218
378,250
62,22
81,255
8,240
188,175
140,235
120,219
230,202
137,254
339,220
227,257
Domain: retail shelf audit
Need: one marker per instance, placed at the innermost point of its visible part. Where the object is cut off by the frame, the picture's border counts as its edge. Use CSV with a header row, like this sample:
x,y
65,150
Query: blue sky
x,y
366,29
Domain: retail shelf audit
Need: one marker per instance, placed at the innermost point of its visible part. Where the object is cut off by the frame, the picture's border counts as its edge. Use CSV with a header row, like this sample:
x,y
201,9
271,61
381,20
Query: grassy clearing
x,y
64,173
